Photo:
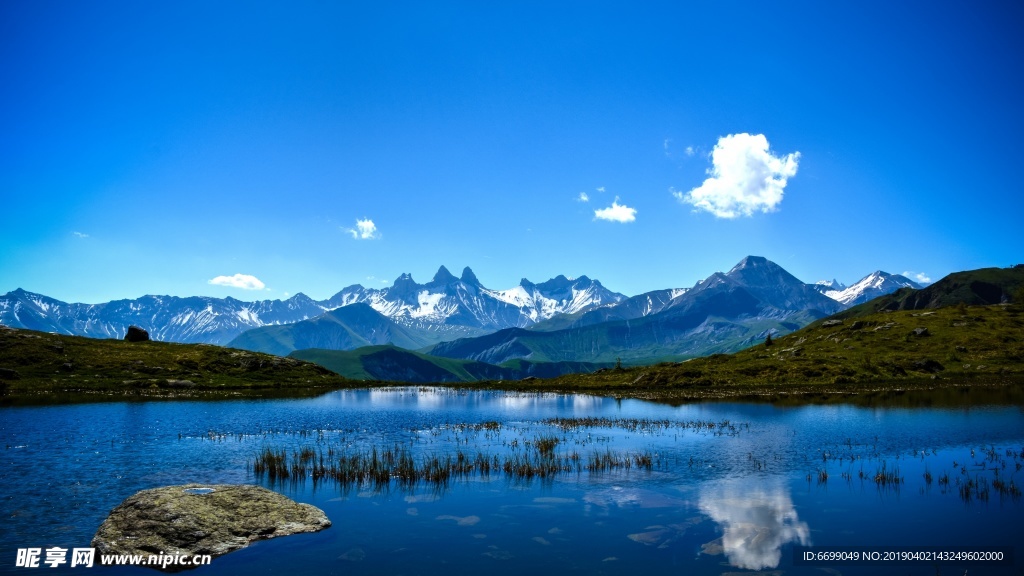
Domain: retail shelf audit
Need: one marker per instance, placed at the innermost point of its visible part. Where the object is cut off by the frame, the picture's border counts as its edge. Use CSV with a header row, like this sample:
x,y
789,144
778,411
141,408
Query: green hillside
x,y
961,345
38,363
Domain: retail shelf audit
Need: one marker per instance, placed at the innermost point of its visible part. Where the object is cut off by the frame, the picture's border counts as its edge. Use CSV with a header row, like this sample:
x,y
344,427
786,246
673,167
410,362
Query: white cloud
x,y
365,230
921,277
243,281
616,212
80,235
745,178
601,189
690,151
755,522
583,197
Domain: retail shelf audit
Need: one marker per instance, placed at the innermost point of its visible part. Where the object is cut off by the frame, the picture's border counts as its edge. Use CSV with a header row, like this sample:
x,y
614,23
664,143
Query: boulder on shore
x,y
136,334
195,519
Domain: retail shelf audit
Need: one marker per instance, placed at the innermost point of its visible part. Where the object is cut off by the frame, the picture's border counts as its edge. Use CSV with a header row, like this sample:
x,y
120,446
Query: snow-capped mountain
x,y
872,286
457,304
448,306
827,285
196,319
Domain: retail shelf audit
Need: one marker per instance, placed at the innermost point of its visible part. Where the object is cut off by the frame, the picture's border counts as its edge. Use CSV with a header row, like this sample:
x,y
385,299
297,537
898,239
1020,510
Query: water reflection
x,y
756,520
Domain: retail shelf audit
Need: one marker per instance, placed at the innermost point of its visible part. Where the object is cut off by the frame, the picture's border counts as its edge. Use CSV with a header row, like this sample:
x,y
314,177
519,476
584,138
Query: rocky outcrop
x,y
136,334
194,519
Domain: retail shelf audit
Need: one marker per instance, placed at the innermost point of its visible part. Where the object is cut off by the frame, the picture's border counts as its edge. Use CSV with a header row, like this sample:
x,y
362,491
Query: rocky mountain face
x,y
724,312
445,307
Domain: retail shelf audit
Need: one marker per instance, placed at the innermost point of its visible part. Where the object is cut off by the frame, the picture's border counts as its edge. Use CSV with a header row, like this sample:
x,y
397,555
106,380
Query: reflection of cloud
x,y
756,522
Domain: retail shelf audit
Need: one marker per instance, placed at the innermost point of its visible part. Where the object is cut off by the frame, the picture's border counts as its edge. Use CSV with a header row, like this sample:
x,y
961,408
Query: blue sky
x,y
151,147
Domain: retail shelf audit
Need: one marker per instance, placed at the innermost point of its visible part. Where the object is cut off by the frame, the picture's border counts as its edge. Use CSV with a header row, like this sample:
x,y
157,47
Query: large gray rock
x,y
196,519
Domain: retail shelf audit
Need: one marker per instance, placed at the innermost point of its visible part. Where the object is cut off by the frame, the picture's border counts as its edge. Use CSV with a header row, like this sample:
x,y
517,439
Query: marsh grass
x,y
381,468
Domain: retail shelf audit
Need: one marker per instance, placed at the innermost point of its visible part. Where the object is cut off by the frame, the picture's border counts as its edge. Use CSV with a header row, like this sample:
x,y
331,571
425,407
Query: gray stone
x,y
831,323
920,332
195,519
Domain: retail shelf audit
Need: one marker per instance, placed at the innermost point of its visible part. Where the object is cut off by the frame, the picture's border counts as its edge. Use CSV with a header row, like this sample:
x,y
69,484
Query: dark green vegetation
x,y
41,364
398,365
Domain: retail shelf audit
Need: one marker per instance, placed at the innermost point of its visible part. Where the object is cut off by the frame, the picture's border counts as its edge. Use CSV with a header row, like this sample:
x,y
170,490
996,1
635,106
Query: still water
x,y
730,487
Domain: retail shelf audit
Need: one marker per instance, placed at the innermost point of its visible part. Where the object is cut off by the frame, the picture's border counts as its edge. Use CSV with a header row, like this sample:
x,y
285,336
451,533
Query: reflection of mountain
x,y
756,521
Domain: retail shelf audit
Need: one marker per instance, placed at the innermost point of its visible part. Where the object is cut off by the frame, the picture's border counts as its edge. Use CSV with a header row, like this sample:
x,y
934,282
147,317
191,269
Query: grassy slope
x,y
42,363
879,350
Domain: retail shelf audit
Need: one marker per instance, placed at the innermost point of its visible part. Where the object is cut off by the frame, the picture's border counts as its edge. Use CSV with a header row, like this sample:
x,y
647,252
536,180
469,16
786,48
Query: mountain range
x,y
560,320
444,308
724,312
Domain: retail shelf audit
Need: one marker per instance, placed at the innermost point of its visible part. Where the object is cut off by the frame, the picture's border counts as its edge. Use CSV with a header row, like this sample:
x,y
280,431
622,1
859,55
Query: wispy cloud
x,y
745,178
365,230
80,234
243,281
616,212
583,197
601,189
921,277
690,151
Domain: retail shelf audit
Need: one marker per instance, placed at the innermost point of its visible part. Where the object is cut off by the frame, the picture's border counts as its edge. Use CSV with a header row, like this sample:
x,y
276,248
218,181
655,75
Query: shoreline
x,y
912,392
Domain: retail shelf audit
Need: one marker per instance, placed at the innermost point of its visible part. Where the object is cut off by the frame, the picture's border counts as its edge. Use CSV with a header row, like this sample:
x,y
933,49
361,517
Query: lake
x,y
575,483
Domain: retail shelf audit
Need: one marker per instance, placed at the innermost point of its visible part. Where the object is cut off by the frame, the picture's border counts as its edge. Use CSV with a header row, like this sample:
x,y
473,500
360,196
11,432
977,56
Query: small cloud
x,y
243,281
80,235
601,189
745,178
690,151
921,277
286,294
365,230
616,212
583,197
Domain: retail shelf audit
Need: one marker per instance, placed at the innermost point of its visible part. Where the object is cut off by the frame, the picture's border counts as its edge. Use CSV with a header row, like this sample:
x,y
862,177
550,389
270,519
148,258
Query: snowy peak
x,y
876,284
832,284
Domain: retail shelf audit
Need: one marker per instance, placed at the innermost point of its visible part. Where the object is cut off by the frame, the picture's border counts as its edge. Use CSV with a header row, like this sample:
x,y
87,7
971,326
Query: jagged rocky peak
x,y
404,284
469,277
527,284
444,277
